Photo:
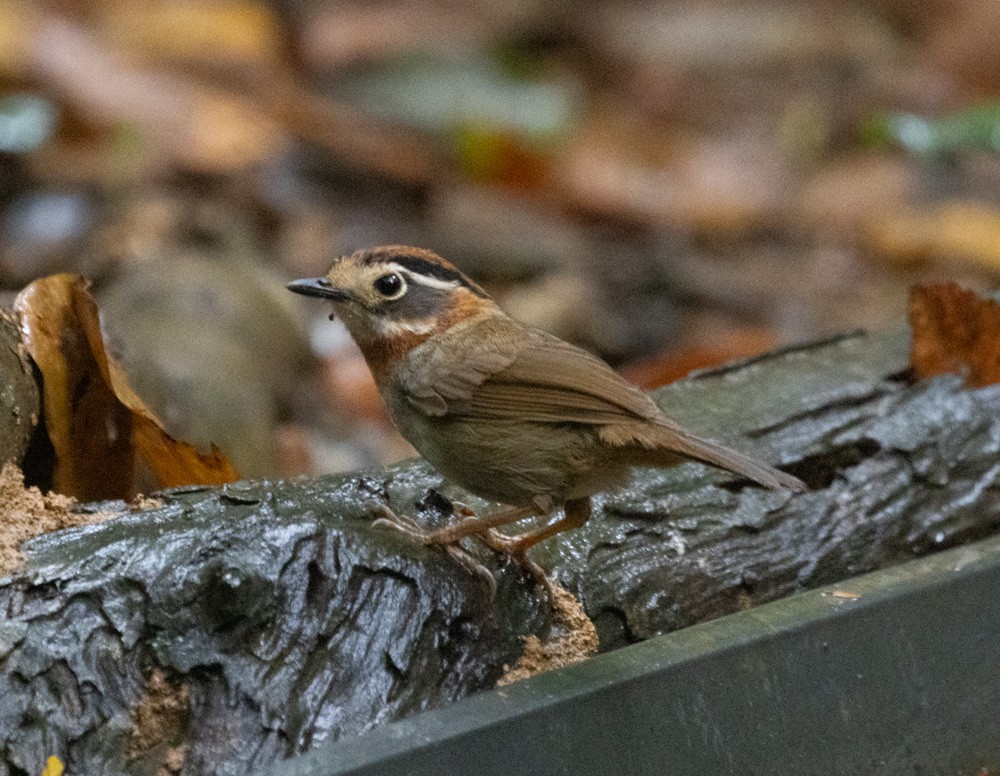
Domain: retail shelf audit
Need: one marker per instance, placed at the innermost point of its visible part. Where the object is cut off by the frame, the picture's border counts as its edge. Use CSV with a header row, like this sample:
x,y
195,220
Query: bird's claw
x,y
510,546
462,510
466,560
515,549
405,525
409,528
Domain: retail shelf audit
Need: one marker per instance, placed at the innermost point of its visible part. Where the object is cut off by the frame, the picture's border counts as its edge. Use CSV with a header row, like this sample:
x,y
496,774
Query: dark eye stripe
x,y
430,269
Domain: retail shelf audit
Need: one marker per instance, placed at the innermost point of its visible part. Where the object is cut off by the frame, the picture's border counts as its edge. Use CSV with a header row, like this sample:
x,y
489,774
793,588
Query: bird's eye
x,y
390,286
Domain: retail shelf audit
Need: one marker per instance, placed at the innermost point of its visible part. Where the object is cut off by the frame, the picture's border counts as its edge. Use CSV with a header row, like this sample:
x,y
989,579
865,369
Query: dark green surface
x,y
904,679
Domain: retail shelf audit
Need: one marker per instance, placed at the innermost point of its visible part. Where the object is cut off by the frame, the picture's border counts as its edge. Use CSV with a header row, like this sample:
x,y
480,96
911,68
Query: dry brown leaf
x,y
676,364
227,32
637,172
199,127
962,232
185,121
336,34
100,430
17,19
955,331
853,193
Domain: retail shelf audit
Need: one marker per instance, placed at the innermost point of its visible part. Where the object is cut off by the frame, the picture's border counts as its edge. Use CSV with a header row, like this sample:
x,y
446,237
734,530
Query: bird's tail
x,y
663,449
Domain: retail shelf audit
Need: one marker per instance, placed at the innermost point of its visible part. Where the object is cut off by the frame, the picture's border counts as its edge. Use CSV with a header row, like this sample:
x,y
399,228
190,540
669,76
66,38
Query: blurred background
x,y
671,184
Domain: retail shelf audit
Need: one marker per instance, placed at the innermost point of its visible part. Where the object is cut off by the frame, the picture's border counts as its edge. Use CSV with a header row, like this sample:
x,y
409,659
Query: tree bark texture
x,y
287,619
20,403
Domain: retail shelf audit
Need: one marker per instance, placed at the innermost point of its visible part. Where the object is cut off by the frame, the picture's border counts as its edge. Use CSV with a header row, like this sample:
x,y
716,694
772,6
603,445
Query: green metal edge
x,y
893,672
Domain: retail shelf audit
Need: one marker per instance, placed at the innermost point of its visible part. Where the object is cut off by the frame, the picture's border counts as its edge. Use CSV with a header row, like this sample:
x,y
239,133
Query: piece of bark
x,y
19,397
896,469
287,619
277,610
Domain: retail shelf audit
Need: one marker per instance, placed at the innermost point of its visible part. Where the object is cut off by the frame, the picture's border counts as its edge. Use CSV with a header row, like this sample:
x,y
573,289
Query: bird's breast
x,y
511,462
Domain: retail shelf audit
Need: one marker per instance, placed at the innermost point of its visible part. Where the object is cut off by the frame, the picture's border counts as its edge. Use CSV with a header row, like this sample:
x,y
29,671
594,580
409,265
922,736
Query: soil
x,y
575,641
27,512
158,719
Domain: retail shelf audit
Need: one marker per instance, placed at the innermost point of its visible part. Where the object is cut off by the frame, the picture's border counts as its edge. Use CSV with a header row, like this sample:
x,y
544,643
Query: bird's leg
x,y
416,533
484,528
576,512
478,526
468,526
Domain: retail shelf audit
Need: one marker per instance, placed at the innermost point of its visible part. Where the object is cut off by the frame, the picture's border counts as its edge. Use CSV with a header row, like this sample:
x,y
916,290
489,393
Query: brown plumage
x,y
509,412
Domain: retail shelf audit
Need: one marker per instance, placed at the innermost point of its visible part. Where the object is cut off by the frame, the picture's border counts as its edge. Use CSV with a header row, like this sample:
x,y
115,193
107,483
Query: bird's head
x,y
396,296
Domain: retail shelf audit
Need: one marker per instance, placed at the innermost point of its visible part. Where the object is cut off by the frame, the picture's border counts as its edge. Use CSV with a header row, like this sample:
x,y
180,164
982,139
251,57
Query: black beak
x,y
321,288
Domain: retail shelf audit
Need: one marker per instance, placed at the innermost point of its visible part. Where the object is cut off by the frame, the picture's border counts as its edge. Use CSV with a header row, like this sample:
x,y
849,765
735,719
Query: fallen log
x,y
20,403
229,627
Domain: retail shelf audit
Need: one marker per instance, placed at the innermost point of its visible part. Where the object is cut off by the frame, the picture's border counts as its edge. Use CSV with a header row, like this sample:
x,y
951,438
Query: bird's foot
x,y
462,510
513,547
405,525
409,528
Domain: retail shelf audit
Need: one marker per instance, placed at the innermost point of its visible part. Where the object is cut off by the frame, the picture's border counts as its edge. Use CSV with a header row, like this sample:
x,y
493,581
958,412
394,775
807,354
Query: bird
x,y
509,412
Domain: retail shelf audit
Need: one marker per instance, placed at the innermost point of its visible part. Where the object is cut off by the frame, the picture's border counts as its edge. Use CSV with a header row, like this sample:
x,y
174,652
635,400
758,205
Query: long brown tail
x,y
672,441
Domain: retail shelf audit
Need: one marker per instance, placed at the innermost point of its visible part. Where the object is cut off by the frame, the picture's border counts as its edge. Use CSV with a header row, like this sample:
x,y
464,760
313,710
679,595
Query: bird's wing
x,y
452,365
507,371
511,372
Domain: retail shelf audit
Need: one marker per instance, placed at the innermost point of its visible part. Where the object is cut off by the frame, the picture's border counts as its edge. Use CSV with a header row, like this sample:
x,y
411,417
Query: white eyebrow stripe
x,y
424,280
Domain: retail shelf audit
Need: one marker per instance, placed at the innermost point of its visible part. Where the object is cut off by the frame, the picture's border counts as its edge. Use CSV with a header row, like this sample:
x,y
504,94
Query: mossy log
x,y
280,617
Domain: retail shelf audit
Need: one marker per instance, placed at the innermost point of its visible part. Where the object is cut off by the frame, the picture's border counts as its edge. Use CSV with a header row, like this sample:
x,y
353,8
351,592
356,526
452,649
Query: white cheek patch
x,y
385,327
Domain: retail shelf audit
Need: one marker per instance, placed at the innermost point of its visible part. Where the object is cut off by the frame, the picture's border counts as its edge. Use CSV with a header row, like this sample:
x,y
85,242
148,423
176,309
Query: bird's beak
x,y
319,287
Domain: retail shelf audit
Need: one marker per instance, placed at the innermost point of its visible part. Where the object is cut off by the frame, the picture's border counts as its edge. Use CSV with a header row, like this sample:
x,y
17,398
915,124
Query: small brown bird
x,y
507,411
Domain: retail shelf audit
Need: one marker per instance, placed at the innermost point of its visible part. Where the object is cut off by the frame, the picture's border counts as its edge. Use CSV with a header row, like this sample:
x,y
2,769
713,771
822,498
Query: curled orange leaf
x,y
955,331
102,433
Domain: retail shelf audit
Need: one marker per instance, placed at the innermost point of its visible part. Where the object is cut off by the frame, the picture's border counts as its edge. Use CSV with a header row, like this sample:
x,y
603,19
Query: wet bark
x,y
288,619
19,399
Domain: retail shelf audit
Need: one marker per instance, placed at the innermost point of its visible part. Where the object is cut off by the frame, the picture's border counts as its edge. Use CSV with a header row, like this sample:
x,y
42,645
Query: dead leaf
x,y
854,192
17,19
100,430
678,363
954,232
336,34
495,155
636,172
183,120
226,32
199,127
955,331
